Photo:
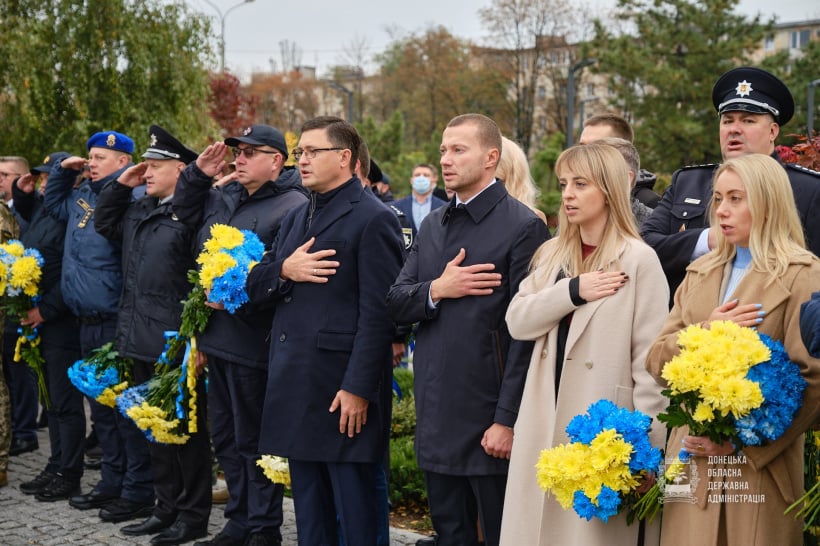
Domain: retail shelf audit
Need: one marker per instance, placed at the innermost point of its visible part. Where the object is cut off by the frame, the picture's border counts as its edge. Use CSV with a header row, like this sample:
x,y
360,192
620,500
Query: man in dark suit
x,y
421,201
330,351
752,105
469,373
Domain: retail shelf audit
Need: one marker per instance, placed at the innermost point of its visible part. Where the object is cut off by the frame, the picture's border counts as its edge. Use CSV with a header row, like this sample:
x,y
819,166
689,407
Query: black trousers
x,y
66,417
456,502
182,473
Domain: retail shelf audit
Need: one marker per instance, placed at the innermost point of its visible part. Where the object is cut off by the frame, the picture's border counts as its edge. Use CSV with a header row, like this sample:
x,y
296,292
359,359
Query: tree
x,y
530,38
662,68
69,68
231,108
419,79
797,71
284,100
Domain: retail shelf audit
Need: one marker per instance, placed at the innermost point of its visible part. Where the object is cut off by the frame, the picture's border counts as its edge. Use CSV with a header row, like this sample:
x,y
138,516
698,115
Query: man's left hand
x,y
497,441
354,412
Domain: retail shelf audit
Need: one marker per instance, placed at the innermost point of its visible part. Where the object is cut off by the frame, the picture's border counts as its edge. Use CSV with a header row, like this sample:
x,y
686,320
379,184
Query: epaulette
x,y
711,166
802,169
398,212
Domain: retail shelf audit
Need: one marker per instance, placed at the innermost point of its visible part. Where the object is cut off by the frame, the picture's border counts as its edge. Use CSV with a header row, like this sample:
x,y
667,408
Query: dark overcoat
x,y
683,212
330,336
469,373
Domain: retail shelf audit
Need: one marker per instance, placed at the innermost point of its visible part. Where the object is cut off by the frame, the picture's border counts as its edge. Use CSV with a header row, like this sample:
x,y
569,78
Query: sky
x,y
323,29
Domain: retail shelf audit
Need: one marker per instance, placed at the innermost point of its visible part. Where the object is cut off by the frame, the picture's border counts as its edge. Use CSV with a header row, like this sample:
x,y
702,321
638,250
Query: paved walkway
x,y
24,521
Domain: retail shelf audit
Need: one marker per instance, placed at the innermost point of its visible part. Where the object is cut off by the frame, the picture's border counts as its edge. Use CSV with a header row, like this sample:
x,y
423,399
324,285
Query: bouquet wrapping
x,y
728,382
20,274
103,375
226,260
597,473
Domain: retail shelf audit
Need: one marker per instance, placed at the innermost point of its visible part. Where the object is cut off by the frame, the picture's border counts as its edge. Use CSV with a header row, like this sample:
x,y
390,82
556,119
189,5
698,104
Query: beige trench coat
x,y
772,473
604,358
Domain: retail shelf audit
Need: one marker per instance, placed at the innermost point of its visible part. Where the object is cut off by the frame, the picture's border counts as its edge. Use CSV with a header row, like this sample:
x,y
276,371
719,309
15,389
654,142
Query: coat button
x,y
283,336
544,353
288,299
588,364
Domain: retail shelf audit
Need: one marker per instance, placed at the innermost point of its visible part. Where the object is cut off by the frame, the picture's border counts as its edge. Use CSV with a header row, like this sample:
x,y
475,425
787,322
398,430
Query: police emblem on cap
x,y
111,140
247,131
47,159
744,88
153,140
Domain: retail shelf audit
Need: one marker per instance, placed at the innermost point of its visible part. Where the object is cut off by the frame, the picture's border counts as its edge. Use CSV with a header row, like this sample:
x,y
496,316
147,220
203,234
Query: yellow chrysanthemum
x,y
734,395
25,274
703,413
223,237
108,397
15,248
213,266
275,468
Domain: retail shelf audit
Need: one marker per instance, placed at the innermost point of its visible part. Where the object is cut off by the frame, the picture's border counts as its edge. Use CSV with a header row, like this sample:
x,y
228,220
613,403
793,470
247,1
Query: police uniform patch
x,y
247,131
407,233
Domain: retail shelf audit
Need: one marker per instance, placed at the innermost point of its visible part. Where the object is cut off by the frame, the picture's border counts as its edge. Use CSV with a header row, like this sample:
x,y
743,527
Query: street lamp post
x,y
339,87
222,17
581,105
810,111
571,94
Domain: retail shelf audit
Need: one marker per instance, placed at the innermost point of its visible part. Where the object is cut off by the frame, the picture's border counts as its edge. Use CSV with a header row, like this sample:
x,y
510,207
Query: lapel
x,y
338,206
753,288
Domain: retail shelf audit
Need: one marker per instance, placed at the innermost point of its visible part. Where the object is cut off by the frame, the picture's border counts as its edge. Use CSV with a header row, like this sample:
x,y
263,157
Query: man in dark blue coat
x,y
261,194
459,278
330,352
60,343
91,282
752,105
158,252
421,200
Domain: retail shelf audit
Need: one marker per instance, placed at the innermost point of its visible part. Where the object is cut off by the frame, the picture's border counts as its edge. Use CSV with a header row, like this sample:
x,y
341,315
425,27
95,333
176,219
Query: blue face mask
x,y
421,184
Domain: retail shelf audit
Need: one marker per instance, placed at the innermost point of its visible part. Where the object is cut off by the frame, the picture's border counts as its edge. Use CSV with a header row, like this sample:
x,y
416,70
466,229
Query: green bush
x,y
406,480
404,378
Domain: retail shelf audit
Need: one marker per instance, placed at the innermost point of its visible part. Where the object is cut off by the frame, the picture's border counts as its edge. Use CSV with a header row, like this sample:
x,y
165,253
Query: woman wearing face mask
x,y
421,201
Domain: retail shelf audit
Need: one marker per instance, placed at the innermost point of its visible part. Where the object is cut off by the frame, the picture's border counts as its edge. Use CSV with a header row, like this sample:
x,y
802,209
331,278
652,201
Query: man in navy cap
x,y
158,251
236,345
60,343
752,105
91,283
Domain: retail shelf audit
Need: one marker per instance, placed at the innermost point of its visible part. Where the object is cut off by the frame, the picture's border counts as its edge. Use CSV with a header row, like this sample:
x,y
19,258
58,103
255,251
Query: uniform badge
x,y
110,141
743,89
247,131
153,141
407,233
691,201
47,159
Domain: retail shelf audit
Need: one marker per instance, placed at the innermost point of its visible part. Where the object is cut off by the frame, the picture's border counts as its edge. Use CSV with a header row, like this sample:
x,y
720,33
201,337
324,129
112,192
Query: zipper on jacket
x,y
311,209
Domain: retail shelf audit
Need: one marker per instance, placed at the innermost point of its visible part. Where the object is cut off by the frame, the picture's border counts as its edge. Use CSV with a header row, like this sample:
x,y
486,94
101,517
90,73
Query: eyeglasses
x,y
310,153
250,151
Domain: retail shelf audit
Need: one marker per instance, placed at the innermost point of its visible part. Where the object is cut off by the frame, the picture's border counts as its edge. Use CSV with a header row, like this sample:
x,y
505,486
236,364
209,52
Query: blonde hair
x,y
603,167
776,234
514,170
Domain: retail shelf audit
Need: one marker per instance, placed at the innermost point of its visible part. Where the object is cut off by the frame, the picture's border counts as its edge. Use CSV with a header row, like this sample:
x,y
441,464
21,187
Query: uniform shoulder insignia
x,y
398,212
802,169
710,166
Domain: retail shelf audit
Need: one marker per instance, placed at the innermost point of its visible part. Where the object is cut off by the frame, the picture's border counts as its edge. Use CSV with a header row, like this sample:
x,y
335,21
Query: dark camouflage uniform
x,y
8,230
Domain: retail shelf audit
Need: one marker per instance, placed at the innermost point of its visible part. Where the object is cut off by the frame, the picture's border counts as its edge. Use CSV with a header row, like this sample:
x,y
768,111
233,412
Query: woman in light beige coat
x,y
754,216
599,277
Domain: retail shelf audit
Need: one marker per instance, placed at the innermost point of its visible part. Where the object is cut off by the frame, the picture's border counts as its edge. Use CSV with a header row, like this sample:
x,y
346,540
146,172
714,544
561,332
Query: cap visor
x,y
158,154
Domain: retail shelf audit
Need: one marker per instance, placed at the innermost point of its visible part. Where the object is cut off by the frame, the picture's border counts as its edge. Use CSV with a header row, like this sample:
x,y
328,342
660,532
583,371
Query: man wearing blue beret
x,y
91,283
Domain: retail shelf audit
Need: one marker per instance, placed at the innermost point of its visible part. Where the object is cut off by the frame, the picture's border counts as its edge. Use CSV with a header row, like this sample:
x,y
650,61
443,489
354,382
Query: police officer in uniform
x,y
158,252
752,104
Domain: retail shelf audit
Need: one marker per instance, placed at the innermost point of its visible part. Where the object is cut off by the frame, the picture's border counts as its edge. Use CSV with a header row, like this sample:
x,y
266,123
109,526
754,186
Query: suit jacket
x,y
405,205
683,212
469,373
604,359
331,336
776,469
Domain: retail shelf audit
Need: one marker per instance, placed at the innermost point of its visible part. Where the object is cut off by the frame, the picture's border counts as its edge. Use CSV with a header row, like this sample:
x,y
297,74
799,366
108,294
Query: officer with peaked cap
x,y
158,251
752,105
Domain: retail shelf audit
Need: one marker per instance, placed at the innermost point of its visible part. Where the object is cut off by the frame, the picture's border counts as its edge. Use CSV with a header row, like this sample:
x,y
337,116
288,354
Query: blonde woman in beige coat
x,y
614,300
753,214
